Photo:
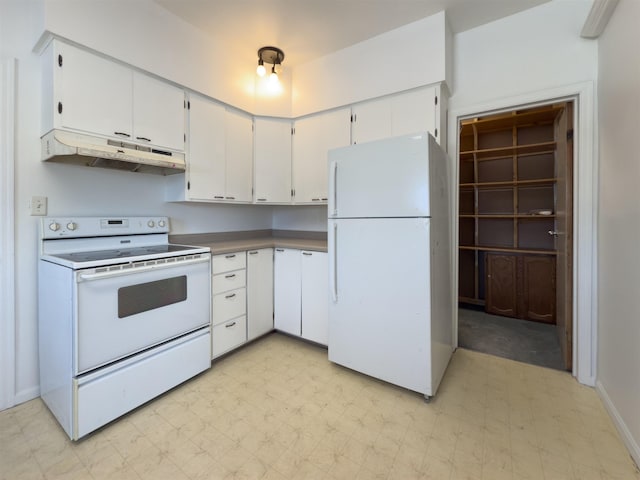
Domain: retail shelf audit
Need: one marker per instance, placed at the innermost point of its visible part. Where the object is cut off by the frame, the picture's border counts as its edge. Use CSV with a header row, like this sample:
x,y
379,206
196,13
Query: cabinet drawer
x,y
223,282
228,335
228,305
228,262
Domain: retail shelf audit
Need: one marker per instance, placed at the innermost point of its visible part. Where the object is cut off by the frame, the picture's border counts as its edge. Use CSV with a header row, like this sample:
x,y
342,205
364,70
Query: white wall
x,y
75,190
619,229
407,57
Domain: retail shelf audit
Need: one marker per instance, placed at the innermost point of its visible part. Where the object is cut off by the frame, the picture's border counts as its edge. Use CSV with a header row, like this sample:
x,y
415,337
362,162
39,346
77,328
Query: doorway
x,y
515,229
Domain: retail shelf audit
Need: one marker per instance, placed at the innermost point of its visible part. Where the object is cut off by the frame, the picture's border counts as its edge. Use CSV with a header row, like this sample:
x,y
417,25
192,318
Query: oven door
x,y
122,312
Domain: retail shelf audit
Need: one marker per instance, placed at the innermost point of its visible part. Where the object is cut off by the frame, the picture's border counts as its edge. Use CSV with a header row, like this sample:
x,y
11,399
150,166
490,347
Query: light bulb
x,y
274,76
261,70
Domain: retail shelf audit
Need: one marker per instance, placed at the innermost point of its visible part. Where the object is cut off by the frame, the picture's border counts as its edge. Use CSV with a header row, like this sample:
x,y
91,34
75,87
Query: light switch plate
x,y
38,206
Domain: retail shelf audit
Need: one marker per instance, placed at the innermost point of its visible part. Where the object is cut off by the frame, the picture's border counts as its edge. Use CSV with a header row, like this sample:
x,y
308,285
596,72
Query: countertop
x,y
227,242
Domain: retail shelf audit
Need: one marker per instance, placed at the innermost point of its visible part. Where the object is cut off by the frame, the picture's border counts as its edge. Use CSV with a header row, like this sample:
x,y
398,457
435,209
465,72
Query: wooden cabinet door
x,y
158,112
259,292
239,156
539,288
93,95
315,296
286,290
272,161
501,286
206,164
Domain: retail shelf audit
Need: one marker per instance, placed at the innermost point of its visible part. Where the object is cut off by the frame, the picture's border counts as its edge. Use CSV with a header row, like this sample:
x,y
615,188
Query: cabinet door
x,y
371,121
206,150
314,137
413,112
501,285
259,292
286,290
158,112
239,154
272,161
315,297
539,288
95,95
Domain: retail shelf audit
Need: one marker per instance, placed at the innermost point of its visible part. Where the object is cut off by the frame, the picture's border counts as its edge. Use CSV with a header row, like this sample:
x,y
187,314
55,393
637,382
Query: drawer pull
x,y
230,296
307,253
279,250
229,325
230,256
255,252
230,276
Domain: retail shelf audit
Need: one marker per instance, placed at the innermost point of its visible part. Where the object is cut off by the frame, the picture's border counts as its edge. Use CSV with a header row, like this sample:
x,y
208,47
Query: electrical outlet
x,y
38,206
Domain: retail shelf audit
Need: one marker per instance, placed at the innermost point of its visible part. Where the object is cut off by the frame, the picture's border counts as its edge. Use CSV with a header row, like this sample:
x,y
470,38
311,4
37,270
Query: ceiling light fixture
x,y
273,56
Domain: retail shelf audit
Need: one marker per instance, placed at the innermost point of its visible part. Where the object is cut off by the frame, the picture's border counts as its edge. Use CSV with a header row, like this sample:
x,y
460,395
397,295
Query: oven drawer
x,y
228,335
229,304
228,262
223,282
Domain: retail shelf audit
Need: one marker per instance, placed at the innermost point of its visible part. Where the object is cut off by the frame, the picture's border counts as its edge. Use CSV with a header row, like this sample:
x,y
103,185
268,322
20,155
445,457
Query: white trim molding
x,y
627,437
7,249
598,17
585,229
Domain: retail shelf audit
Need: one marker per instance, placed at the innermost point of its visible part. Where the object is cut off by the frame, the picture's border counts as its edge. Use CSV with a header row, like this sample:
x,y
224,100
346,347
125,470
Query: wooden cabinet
x,y
507,211
89,93
521,286
409,112
272,161
259,292
300,294
313,137
219,155
229,301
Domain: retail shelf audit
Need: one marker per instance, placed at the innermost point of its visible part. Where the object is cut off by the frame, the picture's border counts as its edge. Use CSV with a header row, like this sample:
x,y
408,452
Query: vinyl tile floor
x,y
277,409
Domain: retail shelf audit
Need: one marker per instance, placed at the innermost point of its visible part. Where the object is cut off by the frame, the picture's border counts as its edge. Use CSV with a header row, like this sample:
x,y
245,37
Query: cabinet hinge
x,y
185,137
293,130
59,107
293,192
569,134
188,185
436,133
59,60
435,99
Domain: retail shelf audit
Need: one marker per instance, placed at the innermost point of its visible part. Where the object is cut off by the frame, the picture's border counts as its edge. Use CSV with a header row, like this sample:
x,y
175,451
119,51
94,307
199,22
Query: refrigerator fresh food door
x,y
385,178
380,300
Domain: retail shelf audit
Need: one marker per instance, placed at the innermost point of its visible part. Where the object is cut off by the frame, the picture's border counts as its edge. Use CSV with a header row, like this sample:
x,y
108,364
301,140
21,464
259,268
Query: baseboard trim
x,y
627,437
26,395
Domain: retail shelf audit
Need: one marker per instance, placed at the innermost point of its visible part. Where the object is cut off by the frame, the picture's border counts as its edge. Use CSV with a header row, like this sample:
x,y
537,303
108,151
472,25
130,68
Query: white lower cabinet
x,y
229,302
300,294
259,292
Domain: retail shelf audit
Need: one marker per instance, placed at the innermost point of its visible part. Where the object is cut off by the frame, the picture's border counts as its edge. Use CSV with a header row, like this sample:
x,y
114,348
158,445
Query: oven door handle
x,y
86,277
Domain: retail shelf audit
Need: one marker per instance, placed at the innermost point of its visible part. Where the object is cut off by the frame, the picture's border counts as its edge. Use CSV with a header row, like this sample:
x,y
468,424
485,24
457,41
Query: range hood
x,y
78,149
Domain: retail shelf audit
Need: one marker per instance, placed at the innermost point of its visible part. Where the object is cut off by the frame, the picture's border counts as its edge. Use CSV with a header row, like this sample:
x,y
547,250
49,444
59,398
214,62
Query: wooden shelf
x,y
507,152
538,116
505,215
507,250
511,183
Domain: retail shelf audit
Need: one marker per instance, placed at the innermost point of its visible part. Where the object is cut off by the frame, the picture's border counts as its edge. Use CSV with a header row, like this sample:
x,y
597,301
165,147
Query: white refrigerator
x,y
390,306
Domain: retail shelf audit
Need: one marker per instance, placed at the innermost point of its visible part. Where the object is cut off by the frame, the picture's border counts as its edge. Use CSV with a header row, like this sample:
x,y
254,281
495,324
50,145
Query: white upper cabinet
x,y
409,112
88,93
272,160
206,152
313,137
158,112
239,156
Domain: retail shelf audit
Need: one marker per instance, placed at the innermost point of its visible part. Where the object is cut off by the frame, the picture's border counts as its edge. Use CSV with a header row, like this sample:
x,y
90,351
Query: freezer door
x,y
379,310
385,178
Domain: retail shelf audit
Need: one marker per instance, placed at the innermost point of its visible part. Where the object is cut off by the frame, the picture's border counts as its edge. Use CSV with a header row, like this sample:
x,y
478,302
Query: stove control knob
x,y
72,226
162,224
150,224
54,227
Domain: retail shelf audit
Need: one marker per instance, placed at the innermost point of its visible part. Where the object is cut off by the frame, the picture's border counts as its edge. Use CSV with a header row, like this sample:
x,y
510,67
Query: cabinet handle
x,y
279,250
255,252
307,253
230,296
261,199
333,254
143,138
229,325
333,208
230,198
220,197
315,199
230,276
324,199
122,134
230,256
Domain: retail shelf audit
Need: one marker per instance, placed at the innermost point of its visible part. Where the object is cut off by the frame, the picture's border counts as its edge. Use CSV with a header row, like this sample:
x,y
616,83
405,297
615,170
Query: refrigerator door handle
x,y
333,197
332,262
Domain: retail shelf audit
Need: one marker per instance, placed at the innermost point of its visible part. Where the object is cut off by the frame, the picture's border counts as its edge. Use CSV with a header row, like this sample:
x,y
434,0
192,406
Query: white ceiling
x,y
308,29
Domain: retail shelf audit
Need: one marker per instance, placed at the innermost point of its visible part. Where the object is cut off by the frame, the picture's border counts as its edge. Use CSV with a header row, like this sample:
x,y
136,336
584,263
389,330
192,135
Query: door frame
x,y
7,248
585,195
